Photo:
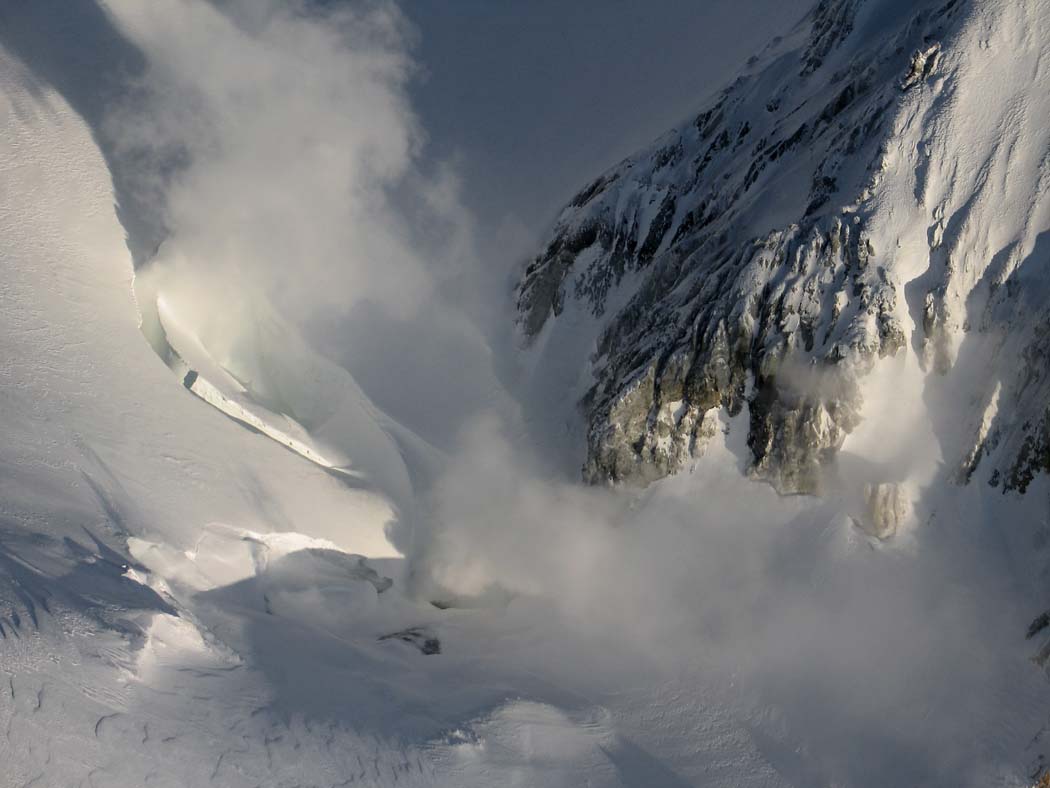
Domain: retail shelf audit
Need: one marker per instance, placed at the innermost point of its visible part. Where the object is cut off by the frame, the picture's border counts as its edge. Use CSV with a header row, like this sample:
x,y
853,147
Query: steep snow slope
x,y
71,335
104,452
873,186
186,601
116,486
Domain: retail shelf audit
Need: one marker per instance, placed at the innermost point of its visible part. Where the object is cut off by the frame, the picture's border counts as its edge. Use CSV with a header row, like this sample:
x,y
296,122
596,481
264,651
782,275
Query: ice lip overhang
x,y
243,358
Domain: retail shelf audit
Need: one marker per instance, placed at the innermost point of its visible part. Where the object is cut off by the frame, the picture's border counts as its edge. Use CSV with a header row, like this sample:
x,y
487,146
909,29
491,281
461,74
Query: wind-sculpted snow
x,y
772,241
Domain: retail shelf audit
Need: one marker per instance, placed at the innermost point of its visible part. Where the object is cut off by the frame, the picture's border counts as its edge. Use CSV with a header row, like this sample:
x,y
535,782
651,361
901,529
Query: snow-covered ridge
x,y
872,185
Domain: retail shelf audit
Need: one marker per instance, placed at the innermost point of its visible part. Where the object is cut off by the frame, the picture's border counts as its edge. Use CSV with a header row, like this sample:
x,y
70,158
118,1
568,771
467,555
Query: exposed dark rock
x,y
418,637
726,313
1039,623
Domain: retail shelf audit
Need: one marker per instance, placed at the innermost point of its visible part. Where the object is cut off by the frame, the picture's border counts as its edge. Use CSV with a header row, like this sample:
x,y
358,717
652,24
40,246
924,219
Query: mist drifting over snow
x,y
298,192
294,130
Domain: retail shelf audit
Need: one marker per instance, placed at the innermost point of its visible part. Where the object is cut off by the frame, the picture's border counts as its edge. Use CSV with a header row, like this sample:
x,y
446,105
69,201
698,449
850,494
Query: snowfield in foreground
x,y
223,563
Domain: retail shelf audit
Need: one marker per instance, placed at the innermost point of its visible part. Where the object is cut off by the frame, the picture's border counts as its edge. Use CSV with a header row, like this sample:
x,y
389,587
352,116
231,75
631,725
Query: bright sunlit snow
x,y
289,498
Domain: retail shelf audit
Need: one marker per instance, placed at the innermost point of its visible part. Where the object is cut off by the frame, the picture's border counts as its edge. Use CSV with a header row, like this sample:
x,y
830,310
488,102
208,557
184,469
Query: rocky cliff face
x,y
871,185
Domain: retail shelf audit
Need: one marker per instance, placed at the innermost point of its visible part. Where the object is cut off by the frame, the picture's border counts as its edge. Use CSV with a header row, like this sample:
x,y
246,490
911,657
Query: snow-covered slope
x,y
105,455
214,547
184,601
181,599
873,186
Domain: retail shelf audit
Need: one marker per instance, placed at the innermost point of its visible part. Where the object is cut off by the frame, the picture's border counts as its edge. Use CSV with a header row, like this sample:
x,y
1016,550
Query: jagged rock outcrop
x,y
877,183
746,230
